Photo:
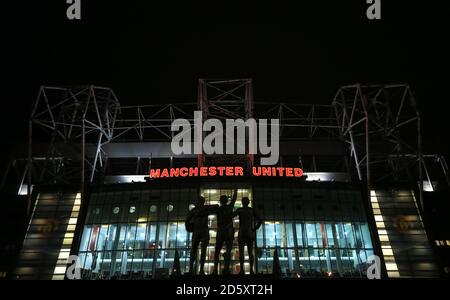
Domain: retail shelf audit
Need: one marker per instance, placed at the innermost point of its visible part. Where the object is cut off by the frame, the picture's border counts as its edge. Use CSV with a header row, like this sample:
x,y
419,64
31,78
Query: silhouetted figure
x,y
176,269
276,267
249,222
197,223
225,231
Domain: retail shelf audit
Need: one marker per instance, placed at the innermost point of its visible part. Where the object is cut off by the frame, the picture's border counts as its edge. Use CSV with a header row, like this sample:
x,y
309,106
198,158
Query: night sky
x,y
152,53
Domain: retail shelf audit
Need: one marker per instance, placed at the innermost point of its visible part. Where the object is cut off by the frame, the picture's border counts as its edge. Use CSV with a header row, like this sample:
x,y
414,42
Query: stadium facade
x,y
350,183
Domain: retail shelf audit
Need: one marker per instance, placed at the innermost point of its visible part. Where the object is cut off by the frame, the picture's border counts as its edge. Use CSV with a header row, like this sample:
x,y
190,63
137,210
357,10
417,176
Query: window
x,y
129,235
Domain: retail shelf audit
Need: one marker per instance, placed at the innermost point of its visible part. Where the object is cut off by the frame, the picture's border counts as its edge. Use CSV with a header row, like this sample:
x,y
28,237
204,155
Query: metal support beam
x,y
91,115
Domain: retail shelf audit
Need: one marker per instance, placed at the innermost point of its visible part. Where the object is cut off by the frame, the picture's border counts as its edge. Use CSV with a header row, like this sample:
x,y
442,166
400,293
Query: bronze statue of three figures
x,y
197,223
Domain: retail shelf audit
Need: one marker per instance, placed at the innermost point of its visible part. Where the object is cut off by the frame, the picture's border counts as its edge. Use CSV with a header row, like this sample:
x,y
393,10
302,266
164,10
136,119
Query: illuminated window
x,y
388,252
378,218
60,268
390,263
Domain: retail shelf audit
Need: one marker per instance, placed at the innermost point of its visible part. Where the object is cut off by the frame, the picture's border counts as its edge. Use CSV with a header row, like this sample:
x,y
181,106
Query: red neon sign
x,y
225,172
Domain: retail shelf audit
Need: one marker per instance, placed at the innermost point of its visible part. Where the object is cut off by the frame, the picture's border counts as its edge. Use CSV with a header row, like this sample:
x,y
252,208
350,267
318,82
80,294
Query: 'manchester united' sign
x,y
225,172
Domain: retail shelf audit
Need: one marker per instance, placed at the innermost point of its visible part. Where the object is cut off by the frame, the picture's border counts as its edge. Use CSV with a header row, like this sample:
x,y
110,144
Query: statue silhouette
x,y
249,222
225,231
197,223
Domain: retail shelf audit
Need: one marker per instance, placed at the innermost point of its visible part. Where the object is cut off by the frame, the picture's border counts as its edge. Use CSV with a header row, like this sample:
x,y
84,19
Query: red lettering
x,y
212,171
221,170
266,171
229,171
256,171
193,172
298,172
203,171
174,172
155,173
184,172
289,172
165,173
239,171
280,171
225,171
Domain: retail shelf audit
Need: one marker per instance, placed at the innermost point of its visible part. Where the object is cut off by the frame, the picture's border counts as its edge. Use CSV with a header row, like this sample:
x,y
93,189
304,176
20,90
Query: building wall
x,y
319,229
404,242
49,236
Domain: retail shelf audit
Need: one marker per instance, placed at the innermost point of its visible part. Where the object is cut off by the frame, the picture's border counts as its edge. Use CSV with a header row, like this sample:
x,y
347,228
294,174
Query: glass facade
x,y
316,232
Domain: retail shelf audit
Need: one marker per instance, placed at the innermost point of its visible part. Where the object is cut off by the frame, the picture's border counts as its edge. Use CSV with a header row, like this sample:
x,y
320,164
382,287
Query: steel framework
x,y
379,123
382,126
222,99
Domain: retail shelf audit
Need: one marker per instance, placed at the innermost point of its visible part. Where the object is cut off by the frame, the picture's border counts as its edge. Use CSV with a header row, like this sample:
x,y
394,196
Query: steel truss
x,y
382,126
225,99
379,123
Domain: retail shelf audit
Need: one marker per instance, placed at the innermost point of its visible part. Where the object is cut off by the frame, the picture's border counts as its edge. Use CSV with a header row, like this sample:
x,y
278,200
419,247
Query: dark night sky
x,y
150,53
